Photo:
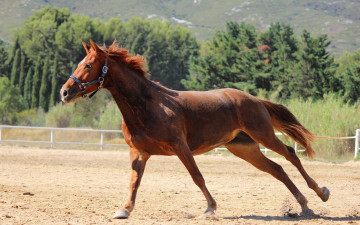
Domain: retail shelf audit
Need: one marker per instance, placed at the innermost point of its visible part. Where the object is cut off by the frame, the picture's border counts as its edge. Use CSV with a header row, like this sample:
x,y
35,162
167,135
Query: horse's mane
x,y
137,62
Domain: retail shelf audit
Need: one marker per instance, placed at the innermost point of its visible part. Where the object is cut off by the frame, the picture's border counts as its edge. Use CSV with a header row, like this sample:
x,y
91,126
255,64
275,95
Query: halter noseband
x,y
100,79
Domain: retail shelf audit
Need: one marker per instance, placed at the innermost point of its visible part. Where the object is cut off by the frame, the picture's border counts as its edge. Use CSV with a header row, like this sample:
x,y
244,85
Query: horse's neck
x,y
132,92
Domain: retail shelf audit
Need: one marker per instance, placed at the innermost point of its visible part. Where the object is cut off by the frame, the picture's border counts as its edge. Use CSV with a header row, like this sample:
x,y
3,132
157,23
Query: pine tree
x,y
14,77
351,82
12,54
36,84
44,87
22,73
232,61
54,84
317,66
4,71
281,49
27,88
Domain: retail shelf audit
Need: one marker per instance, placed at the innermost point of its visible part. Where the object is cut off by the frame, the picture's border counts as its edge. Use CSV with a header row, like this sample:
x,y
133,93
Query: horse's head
x,y
89,76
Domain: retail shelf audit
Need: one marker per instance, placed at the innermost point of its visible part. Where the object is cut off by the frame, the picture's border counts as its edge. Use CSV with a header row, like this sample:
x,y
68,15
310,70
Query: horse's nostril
x,y
65,93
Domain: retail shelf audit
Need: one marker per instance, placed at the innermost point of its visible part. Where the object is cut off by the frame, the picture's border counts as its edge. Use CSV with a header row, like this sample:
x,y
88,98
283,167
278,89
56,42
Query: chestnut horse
x,y
161,121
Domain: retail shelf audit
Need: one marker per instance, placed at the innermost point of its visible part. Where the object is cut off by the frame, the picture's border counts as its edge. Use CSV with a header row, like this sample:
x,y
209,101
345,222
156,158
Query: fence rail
x,y
52,141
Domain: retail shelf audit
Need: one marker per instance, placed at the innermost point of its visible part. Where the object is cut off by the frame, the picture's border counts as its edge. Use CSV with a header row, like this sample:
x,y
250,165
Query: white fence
x,y
52,140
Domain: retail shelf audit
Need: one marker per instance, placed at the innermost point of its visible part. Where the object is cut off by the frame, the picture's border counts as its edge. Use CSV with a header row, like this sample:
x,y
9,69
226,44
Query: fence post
x,y
296,147
101,140
266,151
52,138
357,139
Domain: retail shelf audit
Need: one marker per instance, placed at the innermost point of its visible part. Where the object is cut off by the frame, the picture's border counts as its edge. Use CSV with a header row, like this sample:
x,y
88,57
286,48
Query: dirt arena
x,y
47,186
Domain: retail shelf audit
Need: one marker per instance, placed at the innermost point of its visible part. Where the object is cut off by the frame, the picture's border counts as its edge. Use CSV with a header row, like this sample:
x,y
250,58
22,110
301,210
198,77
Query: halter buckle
x,y
105,69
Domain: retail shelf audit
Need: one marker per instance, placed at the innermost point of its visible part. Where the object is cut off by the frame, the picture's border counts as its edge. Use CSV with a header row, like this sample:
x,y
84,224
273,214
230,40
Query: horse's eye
x,y
88,66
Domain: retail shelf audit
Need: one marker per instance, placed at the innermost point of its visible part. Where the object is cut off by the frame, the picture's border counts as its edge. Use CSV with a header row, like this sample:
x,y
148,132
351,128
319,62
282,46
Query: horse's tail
x,y
285,122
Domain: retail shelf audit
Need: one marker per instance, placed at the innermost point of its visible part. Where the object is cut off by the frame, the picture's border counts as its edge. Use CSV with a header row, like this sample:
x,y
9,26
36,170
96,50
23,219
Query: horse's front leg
x,y
138,161
184,154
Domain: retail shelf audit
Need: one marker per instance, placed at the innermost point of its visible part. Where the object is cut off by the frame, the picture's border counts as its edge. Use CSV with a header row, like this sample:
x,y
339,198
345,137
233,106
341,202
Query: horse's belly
x,y
208,143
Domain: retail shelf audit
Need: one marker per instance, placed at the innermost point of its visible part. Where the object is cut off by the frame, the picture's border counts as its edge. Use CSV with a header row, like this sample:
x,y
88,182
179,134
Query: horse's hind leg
x,y
323,192
252,154
273,143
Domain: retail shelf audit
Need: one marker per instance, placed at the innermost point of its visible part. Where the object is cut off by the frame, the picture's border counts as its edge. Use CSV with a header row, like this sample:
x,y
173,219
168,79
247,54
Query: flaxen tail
x,y
285,122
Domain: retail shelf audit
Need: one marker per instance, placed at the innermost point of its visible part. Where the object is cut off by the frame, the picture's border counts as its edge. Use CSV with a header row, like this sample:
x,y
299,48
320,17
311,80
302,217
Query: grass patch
x,y
329,117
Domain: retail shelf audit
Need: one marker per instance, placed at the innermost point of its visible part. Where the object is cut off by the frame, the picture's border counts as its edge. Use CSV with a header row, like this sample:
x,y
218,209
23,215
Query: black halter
x,y
100,79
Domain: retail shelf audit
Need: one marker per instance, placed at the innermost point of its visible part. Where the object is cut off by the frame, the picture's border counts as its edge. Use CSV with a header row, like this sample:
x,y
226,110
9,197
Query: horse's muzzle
x,y
67,94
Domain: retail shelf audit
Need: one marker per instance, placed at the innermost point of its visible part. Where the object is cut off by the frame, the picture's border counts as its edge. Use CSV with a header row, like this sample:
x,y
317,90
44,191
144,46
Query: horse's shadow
x,y
288,218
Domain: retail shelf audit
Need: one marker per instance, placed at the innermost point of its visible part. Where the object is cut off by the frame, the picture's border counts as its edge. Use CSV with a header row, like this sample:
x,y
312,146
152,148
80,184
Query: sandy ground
x,y
47,186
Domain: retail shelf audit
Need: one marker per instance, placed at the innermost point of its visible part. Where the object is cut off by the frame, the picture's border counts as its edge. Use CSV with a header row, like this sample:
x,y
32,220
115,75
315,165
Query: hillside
x,y
340,19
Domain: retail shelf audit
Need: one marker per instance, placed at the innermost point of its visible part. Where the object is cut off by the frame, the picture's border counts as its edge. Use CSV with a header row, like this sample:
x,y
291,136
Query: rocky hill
x,y
340,19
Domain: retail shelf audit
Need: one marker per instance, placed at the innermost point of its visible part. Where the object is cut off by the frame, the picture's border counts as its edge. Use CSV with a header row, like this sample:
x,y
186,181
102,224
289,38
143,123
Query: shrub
x,y
31,117
11,101
60,115
110,118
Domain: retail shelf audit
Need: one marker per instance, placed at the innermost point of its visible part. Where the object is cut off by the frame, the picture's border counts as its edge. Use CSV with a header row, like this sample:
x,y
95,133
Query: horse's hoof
x,y
209,211
308,213
209,214
325,194
121,215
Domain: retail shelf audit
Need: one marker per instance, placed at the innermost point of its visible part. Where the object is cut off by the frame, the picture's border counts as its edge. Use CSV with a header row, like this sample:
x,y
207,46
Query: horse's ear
x,y
86,46
94,46
114,43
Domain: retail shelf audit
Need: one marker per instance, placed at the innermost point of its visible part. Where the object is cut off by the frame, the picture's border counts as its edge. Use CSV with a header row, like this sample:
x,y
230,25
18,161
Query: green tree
x,y
280,49
22,73
232,59
36,84
11,101
351,82
37,36
4,71
115,29
28,88
68,40
167,49
317,66
132,35
168,53
346,60
44,93
349,74
54,82
15,68
12,53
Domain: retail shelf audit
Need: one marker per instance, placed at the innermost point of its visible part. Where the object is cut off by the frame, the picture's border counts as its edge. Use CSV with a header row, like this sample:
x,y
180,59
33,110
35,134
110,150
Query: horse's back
x,y
216,102
211,117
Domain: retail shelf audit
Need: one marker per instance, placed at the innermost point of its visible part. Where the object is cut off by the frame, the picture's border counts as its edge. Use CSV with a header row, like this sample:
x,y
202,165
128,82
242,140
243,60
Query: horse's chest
x,y
154,142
